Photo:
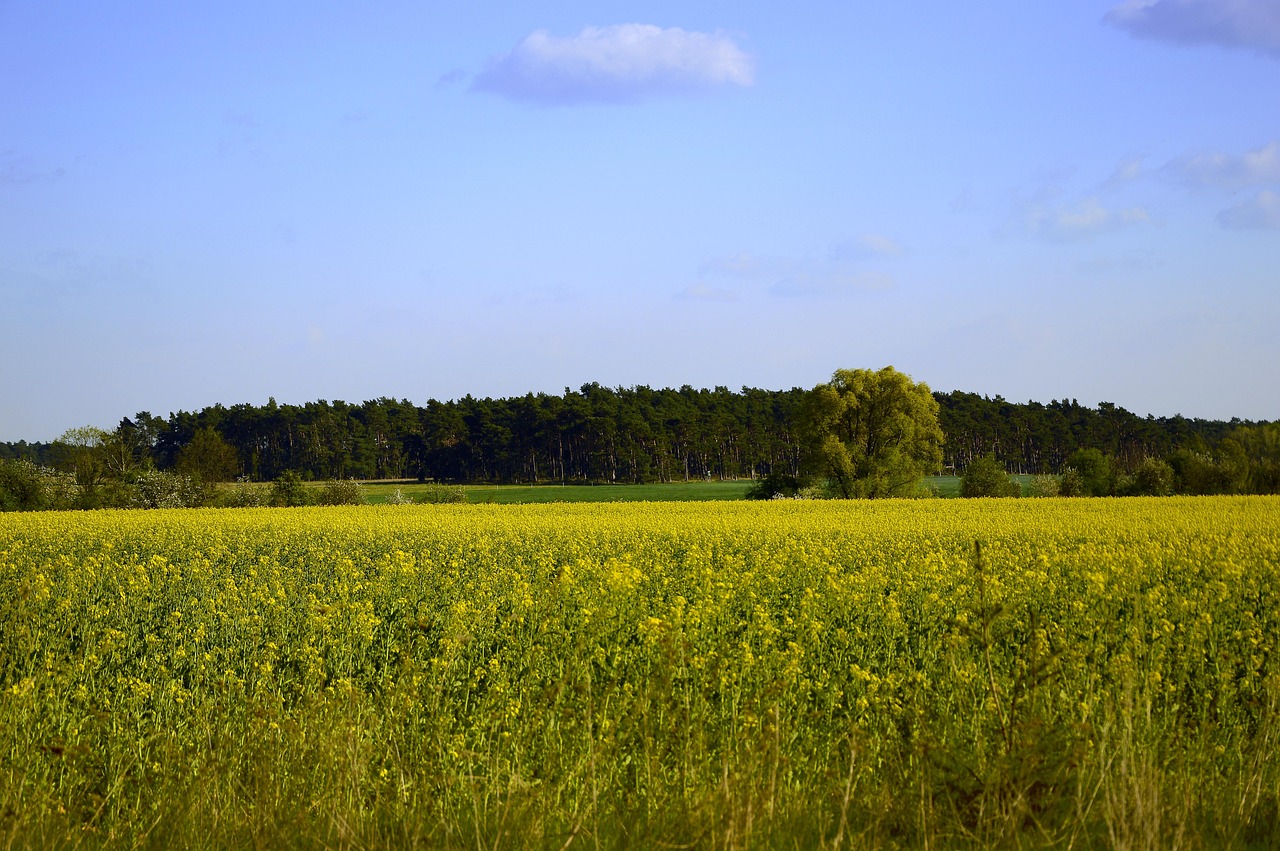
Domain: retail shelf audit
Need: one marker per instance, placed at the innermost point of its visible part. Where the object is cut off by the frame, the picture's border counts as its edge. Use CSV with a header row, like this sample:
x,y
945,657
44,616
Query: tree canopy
x,y
872,433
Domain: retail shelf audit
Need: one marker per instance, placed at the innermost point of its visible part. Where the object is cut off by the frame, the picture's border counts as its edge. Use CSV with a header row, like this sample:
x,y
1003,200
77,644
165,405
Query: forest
x,y
637,434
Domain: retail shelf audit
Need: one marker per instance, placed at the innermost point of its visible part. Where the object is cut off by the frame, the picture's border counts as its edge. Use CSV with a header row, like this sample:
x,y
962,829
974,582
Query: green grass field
x,y
378,493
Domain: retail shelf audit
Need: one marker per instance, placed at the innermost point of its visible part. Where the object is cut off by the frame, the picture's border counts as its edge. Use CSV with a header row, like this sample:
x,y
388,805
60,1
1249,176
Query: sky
x,y
225,202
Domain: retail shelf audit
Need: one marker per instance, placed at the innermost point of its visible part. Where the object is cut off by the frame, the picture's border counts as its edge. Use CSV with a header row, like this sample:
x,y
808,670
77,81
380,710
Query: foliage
x,y
1154,477
776,485
597,434
871,434
158,489
341,492
1044,485
25,486
1260,446
82,452
1200,471
399,497
1094,469
288,491
736,675
245,494
208,458
987,477
1071,483
437,494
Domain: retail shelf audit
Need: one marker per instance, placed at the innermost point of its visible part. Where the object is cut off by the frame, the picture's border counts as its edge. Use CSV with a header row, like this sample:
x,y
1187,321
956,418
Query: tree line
x,y
635,435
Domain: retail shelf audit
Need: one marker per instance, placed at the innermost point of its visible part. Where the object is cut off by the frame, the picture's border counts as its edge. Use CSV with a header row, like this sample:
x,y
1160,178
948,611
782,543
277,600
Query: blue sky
x,y
224,202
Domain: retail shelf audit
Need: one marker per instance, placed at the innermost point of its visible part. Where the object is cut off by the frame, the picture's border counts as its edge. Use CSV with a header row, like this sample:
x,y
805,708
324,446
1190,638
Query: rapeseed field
x,y
977,673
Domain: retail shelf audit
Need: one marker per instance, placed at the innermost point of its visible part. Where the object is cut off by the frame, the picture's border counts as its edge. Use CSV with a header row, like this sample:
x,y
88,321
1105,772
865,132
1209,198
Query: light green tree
x,y
208,458
987,477
872,433
83,453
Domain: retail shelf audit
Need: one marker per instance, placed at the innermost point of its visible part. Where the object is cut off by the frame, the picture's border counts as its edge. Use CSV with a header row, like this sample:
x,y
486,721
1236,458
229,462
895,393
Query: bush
x,y
21,488
774,486
25,486
987,477
1153,478
244,494
1094,469
288,491
1044,486
441,494
1071,483
156,489
341,492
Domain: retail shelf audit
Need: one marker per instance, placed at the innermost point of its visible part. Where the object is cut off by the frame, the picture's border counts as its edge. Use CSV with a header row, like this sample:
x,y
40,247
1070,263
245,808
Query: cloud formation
x,y
1227,171
1080,221
1261,212
1249,24
16,170
867,245
705,292
615,64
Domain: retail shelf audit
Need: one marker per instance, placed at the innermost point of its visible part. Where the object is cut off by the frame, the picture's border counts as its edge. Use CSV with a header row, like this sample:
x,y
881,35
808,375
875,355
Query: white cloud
x,y
1081,220
615,64
1251,24
868,245
1126,171
1262,212
1225,171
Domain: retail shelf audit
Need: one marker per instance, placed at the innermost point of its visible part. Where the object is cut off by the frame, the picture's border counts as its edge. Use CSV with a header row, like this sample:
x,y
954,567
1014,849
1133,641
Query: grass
x,y
949,486
378,493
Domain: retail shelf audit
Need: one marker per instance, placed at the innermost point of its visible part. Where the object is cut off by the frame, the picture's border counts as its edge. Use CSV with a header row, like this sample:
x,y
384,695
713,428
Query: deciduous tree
x,y
872,433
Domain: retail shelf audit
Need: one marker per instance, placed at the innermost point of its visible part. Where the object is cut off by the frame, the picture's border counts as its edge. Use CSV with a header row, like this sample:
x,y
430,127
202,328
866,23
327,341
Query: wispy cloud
x,y
705,292
615,64
867,245
1127,171
1081,220
1261,212
1228,171
451,78
16,169
1249,24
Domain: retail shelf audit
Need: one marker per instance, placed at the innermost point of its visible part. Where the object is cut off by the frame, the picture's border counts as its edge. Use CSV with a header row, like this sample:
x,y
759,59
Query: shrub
x,y
1071,483
1153,477
774,486
157,489
987,477
441,494
25,486
341,492
1044,486
1094,470
288,490
244,494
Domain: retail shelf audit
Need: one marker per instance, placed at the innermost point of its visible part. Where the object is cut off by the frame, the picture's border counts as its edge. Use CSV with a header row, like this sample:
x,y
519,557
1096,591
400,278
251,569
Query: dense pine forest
x,y
602,434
